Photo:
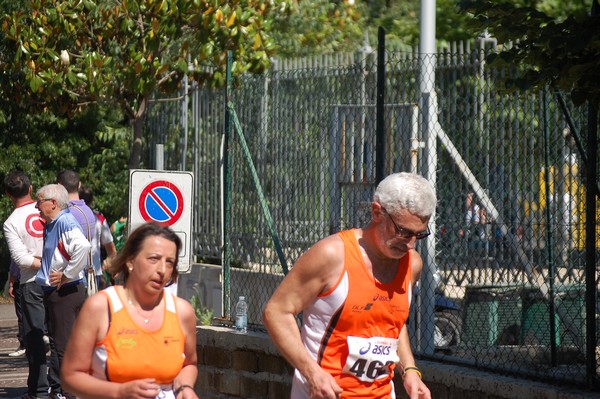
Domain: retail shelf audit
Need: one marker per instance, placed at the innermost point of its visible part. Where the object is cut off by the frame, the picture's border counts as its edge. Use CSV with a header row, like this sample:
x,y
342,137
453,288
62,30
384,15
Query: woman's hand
x,y
145,388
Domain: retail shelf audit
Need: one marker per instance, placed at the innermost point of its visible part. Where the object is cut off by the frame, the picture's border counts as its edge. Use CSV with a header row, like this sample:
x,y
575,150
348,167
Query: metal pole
x,y
185,122
159,156
380,132
427,45
226,199
549,238
428,60
590,242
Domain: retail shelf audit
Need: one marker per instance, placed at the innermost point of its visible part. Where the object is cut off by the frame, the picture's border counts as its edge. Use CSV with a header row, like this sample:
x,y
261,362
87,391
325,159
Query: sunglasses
x,y
407,234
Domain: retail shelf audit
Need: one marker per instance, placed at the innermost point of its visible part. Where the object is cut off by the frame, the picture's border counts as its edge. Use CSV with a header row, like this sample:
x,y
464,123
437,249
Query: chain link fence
x,y
509,234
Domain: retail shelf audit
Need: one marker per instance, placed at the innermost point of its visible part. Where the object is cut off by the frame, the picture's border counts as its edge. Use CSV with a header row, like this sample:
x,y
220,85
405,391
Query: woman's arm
x,y
183,385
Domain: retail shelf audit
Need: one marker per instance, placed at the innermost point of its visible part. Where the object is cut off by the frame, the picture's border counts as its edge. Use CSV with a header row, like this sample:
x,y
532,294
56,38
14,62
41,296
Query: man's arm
x,y
414,386
78,247
12,279
19,252
313,273
111,250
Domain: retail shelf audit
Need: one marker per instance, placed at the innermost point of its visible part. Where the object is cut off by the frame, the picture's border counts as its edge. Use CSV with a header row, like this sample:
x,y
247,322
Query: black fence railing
x,y
510,222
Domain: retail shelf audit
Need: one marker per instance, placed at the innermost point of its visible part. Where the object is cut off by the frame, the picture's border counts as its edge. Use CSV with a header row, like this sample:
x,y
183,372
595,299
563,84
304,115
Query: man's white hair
x,y
406,191
56,192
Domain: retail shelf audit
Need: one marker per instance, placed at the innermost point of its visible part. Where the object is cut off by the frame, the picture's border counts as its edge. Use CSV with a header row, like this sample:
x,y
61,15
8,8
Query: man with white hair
x,y
64,257
354,290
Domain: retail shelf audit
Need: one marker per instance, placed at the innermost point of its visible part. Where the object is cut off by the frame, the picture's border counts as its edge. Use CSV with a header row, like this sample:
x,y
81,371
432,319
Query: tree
x,y
400,19
317,27
562,51
72,53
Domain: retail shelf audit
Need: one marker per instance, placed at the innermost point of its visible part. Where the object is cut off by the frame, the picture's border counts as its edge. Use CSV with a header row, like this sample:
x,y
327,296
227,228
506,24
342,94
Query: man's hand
x,y
415,388
37,263
323,386
57,279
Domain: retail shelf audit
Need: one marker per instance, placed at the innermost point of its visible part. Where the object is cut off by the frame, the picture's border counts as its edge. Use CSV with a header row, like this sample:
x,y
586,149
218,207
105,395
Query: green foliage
x,y
317,27
562,52
204,315
95,143
401,21
106,172
70,54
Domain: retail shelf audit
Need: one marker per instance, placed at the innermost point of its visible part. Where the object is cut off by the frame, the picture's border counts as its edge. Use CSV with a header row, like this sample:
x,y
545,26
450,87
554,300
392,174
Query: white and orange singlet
x,y
130,352
352,330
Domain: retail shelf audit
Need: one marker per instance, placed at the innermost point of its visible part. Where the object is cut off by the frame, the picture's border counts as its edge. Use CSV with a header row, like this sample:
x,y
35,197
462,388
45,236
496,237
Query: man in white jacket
x,y
65,255
24,230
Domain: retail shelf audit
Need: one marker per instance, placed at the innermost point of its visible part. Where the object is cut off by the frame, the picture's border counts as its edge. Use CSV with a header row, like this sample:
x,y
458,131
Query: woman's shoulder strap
x,y
113,298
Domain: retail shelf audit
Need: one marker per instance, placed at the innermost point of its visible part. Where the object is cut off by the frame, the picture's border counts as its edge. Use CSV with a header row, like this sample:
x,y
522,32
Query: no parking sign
x,y
166,198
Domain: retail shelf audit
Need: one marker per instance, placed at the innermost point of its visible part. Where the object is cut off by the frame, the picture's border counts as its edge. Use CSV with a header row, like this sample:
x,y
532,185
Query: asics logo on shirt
x,y
381,298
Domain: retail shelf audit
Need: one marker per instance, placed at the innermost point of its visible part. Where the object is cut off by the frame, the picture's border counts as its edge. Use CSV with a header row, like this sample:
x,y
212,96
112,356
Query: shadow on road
x,y
13,370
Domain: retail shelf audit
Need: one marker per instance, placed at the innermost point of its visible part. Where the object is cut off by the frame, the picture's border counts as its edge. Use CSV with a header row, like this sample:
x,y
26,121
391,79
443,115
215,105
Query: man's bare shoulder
x,y
323,261
329,249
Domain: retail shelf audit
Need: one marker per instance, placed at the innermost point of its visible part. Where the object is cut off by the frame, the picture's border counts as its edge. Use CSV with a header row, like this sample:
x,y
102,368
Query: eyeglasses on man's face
x,y
41,201
405,233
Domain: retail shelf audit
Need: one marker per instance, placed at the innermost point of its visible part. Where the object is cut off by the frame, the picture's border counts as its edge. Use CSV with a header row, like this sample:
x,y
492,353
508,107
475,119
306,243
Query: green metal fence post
x,y
549,241
591,230
226,196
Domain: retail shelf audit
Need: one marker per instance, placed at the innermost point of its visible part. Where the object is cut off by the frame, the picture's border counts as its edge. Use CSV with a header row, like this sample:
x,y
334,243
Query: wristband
x,y
412,368
181,388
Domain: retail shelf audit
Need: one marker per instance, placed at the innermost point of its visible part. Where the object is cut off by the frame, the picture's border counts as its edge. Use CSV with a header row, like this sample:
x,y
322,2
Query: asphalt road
x,y
13,370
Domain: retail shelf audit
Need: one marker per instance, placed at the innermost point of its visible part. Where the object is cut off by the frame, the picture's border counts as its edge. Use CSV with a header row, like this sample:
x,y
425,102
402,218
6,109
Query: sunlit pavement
x,y
13,370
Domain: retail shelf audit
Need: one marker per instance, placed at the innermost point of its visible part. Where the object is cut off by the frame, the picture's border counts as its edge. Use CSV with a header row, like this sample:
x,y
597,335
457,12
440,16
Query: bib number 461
x,y
364,370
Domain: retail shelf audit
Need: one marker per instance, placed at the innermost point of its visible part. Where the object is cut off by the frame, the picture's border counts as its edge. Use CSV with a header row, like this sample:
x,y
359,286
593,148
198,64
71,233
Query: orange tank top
x,y
129,352
352,330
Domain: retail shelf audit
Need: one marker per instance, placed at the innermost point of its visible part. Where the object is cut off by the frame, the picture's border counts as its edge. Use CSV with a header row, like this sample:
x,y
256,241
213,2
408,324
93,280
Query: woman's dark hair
x,y
133,246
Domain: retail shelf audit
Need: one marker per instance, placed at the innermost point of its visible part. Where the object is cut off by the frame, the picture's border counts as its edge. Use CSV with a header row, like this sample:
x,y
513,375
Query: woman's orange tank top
x,y
130,352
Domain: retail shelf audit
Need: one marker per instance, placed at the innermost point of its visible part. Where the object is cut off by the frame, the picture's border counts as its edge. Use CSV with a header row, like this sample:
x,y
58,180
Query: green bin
x,y
569,316
492,315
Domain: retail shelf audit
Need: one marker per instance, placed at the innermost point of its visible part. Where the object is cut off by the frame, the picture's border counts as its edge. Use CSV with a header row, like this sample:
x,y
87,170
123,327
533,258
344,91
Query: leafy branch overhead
x,y
561,52
71,53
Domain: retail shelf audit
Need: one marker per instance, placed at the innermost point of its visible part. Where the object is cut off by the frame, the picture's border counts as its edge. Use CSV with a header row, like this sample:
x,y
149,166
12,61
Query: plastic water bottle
x,y
241,316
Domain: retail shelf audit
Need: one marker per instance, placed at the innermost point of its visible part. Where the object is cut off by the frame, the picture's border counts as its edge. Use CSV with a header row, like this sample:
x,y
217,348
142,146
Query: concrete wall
x,y
248,366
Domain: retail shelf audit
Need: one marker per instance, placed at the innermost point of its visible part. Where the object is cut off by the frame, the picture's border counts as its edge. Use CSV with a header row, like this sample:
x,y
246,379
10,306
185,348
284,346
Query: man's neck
x,y
73,196
21,201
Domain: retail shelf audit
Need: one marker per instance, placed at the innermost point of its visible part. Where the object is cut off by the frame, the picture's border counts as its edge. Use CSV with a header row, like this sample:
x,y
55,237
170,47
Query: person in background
x,y
159,360
24,230
84,215
64,259
102,239
14,291
475,222
354,290
69,179
119,232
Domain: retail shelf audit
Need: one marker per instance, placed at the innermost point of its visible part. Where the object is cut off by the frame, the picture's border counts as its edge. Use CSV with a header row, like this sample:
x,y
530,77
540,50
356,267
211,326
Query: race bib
x,y
370,359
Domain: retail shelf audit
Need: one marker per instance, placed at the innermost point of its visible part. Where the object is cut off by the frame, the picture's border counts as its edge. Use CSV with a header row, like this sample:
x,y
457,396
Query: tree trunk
x,y
137,122
135,154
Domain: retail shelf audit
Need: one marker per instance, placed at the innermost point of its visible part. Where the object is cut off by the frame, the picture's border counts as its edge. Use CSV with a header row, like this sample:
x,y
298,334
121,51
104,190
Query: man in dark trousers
x,y
23,231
